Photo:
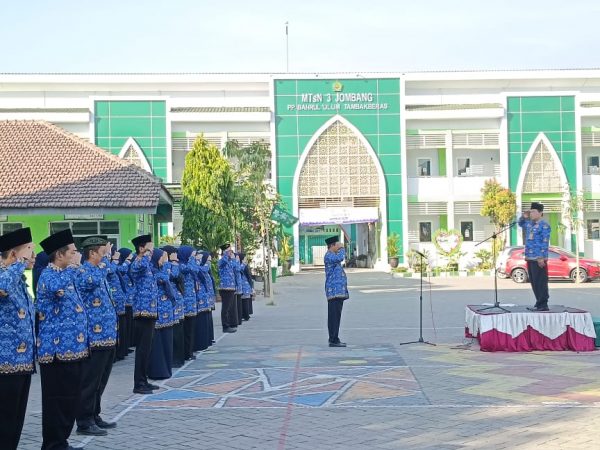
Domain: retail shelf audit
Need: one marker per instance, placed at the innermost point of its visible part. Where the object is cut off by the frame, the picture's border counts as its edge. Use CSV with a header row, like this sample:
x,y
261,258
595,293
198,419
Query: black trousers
x,y
178,348
538,277
246,302
123,337
239,304
334,316
211,328
145,333
130,326
96,372
14,392
228,313
189,336
61,395
251,306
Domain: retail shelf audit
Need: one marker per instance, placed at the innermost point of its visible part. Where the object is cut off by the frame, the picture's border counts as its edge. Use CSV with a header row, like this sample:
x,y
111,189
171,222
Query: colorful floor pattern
x,y
274,377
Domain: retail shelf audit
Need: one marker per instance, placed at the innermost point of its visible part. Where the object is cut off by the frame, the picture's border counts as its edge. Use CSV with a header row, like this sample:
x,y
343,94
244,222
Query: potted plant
x,y
392,248
361,261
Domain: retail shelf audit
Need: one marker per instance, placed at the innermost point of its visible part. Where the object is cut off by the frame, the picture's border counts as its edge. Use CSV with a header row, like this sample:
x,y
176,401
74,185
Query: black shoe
x,y
337,344
213,341
104,424
177,365
230,330
92,430
142,390
152,386
539,309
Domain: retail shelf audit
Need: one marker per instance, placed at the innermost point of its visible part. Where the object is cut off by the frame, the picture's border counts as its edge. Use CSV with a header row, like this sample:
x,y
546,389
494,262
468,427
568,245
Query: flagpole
x,y
287,48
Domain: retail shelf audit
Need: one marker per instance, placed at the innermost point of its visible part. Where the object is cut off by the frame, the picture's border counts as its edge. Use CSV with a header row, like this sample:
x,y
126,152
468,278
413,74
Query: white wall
x,y
486,158
413,155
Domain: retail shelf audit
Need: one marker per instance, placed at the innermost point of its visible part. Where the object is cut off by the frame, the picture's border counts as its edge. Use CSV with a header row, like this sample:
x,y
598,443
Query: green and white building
x,y
356,153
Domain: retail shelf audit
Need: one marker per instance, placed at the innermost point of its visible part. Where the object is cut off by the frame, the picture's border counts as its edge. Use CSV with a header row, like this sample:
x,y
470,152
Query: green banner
x,y
281,215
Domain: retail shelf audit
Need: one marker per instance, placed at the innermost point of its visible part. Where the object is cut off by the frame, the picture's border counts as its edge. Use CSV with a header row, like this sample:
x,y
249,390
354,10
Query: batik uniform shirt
x,y
226,274
130,290
210,284
246,287
189,271
17,335
237,270
166,298
537,238
114,283
146,290
93,288
178,309
63,324
202,293
336,284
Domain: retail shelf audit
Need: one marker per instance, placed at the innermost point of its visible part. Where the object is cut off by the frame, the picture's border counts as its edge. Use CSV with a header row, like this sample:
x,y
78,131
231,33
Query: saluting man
x,y
17,335
227,290
62,339
336,288
537,239
92,285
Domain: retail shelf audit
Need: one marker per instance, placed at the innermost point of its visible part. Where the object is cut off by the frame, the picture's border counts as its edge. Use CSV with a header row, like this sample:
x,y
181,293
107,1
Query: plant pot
x,y
394,261
361,263
286,266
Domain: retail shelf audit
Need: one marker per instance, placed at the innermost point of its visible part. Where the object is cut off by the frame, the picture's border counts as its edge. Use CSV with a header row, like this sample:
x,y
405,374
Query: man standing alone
x,y
336,288
537,239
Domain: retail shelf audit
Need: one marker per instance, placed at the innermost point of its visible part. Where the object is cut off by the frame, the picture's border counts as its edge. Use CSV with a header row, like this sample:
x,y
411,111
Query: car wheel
x,y
519,275
583,276
501,275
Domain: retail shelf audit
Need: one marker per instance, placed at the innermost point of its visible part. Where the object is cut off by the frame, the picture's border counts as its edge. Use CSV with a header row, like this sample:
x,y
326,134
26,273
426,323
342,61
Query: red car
x,y
561,265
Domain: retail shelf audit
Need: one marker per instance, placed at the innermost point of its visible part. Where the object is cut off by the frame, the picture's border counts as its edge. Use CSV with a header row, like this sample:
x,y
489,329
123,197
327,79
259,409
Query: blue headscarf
x,y
156,255
124,254
41,261
205,256
184,252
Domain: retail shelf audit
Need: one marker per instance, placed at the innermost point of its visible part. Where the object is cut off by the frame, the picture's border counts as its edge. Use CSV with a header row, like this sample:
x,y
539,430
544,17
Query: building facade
x,y
363,155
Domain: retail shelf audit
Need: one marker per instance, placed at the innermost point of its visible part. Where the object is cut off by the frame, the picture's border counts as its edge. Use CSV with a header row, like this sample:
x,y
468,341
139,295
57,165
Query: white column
x,y
450,177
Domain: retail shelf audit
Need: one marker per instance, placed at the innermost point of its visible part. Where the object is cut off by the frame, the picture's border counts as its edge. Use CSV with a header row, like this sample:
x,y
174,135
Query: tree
x,y
207,191
499,204
574,206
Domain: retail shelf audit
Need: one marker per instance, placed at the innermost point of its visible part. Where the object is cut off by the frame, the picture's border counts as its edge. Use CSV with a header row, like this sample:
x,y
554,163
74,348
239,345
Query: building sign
x,y
338,216
84,216
337,100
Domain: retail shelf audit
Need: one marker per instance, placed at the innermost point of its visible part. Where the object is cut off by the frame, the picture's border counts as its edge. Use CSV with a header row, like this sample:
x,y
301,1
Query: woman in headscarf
x,y
204,309
126,254
237,269
118,296
247,287
41,261
161,355
211,287
178,311
188,267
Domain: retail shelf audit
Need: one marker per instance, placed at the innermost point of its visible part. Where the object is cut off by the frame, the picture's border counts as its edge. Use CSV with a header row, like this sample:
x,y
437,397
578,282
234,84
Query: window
x,y
553,255
594,164
466,229
9,227
424,231
83,229
423,167
463,165
593,229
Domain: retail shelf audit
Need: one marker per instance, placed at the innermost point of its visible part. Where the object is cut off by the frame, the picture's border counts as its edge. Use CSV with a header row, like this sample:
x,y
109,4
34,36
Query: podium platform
x,y
520,330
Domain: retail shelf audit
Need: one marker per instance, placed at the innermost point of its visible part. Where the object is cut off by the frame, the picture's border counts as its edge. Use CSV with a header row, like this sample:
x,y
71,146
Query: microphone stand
x,y
421,340
494,236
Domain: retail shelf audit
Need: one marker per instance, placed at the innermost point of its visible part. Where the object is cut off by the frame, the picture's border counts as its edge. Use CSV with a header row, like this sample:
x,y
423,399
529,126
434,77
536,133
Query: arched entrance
x,y
339,185
543,179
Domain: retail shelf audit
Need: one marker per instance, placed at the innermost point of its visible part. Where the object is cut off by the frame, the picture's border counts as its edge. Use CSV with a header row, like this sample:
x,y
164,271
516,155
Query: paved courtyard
x,y
277,385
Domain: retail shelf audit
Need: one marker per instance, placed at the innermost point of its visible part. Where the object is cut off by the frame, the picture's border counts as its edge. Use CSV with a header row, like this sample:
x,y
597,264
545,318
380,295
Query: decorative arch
x,y
317,163
542,170
131,152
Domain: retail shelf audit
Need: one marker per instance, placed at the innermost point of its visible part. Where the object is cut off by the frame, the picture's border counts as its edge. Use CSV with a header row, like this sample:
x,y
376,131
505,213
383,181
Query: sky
x,y
172,36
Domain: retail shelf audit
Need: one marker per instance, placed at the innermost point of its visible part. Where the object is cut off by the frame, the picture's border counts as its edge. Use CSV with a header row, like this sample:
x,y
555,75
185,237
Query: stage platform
x,y
521,330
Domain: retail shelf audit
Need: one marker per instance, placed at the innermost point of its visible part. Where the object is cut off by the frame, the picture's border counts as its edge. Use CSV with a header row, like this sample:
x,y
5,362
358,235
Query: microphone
x,y
419,253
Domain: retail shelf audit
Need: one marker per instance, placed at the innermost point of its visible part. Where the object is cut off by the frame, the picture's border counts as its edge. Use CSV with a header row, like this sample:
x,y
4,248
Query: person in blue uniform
x,y
237,270
93,287
62,342
204,308
125,254
537,239
145,311
188,267
336,288
17,334
227,289
247,287
115,273
178,311
210,284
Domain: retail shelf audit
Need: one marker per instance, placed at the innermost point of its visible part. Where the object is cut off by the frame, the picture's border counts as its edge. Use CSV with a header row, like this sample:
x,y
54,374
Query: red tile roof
x,y
43,166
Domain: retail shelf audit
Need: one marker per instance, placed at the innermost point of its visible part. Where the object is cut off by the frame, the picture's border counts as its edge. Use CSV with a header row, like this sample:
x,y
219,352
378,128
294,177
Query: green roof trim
x,y
221,109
